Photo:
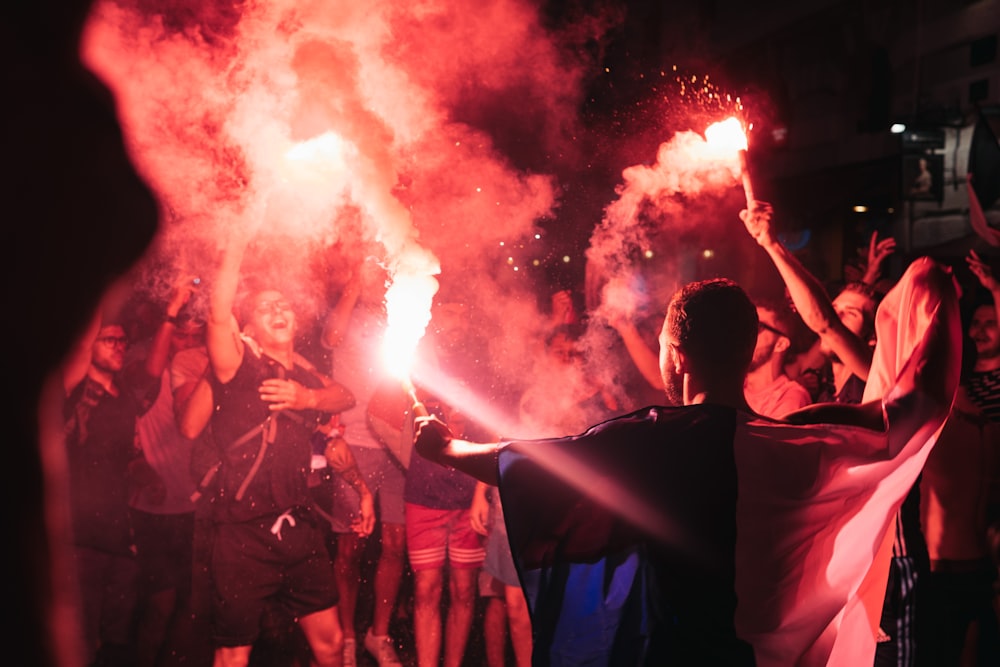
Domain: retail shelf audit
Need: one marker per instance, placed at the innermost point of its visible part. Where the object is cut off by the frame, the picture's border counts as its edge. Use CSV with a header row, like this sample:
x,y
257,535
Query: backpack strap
x,y
268,428
268,431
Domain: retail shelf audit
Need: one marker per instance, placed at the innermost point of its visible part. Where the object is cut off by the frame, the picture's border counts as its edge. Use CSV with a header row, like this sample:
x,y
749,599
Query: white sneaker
x,y
350,652
382,650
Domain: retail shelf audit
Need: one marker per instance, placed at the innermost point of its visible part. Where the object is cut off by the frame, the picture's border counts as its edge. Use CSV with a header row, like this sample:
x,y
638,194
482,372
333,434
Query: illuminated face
x,y
985,333
108,352
187,335
562,348
854,310
272,320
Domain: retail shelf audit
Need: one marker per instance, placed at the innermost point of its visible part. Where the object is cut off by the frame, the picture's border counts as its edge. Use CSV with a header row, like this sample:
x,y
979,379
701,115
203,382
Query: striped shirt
x,y
984,390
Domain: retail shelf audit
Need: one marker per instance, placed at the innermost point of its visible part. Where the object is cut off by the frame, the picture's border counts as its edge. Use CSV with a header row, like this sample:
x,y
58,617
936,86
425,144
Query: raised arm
x,y
434,441
811,300
646,360
74,368
222,334
878,251
193,405
159,351
917,358
339,318
984,272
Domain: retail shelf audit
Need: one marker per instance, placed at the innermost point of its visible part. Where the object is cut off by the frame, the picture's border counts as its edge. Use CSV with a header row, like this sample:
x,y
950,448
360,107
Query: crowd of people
x,y
234,501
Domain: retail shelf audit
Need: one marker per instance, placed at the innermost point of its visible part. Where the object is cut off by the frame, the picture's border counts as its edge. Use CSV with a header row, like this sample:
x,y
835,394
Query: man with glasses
x,y
769,391
102,406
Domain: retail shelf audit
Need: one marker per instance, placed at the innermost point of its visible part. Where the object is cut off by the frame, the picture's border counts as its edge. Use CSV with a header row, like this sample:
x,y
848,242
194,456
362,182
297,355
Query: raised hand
x,y
982,271
877,253
431,437
758,221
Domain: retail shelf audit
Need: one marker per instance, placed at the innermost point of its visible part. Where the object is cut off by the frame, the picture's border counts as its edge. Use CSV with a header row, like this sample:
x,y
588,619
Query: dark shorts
x,y
164,549
252,565
107,589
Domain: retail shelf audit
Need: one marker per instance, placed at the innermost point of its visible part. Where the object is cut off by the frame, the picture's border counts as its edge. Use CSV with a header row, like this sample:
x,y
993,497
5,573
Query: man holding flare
x,y
704,534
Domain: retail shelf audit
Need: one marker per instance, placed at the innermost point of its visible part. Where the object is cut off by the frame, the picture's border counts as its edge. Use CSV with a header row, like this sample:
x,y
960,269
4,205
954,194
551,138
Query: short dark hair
x,y
715,324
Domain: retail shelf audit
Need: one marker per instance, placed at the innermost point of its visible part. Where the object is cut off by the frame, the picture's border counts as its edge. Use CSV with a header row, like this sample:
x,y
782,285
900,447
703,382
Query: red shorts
x,y
434,535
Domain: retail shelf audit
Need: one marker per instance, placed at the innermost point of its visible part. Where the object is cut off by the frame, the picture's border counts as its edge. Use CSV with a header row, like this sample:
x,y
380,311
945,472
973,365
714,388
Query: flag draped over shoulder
x,y
817,498
686,535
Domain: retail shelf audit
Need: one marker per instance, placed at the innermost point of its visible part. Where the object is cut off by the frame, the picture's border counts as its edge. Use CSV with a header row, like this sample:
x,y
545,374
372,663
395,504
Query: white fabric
x,y
816,502
168,453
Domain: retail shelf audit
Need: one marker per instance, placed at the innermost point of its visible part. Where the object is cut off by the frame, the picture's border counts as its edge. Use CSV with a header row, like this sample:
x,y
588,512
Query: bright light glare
x,y
408,310
324,158
860,209
897,128
326,147
727,135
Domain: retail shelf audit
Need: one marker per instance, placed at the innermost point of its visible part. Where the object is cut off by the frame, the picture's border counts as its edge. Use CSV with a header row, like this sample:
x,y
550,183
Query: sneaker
x,y
350,652
382,650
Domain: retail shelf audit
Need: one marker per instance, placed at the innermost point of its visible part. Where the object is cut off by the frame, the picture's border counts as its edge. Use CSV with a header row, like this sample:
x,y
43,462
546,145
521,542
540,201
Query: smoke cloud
x,y
424,134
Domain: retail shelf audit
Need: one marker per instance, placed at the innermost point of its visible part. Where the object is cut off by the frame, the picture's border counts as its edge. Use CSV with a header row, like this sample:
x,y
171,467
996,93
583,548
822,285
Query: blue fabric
x,y
624,539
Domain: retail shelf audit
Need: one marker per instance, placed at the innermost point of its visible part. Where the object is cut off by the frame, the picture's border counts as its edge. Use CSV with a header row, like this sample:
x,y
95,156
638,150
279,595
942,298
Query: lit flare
x,y
728,136
408,312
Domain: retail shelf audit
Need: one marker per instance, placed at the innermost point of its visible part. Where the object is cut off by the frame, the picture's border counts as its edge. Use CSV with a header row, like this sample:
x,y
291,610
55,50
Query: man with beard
x,y
626,536
102,405
268,546
769,391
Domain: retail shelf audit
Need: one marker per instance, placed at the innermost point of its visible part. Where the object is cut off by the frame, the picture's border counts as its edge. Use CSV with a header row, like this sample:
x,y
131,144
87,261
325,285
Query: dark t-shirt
x,y
267,472
439,487
850,394
625,539
100,445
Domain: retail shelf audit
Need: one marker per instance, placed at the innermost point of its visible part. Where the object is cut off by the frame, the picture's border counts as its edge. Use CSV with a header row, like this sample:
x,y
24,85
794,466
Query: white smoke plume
x,y
332,124
335,131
